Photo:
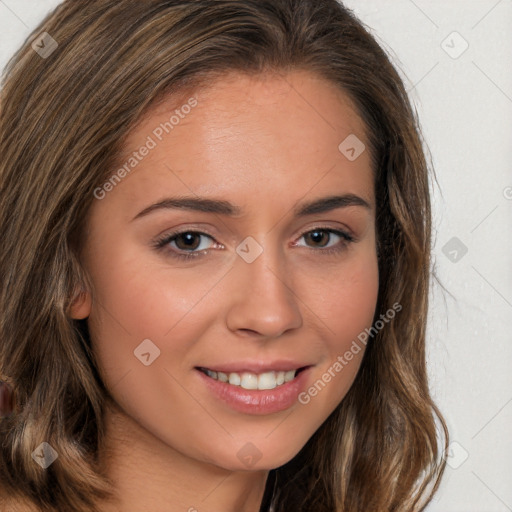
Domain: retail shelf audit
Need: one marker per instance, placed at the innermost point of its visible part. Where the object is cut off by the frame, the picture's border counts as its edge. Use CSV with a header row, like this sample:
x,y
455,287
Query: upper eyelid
x,y
171,236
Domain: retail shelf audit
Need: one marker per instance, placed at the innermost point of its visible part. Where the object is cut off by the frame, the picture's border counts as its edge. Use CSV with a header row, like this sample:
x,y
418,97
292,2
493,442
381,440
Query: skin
x,y
265,144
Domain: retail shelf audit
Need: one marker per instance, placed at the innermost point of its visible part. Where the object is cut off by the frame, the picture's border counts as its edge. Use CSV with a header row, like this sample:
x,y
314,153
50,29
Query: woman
x,y
278,362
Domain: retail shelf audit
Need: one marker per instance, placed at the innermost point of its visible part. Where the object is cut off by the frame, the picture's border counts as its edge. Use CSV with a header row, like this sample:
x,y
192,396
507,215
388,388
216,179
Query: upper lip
x,y
255,366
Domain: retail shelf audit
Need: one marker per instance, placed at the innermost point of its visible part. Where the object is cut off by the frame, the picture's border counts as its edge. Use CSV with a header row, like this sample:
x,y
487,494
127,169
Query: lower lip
x,y
255,401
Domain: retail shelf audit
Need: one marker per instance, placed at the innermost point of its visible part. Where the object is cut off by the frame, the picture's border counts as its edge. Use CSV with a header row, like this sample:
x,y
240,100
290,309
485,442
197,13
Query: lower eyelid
x,y
167,239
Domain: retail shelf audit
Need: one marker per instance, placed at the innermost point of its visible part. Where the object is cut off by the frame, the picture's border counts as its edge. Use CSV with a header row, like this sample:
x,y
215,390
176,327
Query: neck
x,y
150,475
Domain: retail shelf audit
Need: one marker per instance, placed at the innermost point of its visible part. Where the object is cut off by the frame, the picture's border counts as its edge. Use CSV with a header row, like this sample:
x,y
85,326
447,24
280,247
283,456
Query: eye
x,y
185,244
192,244
322,237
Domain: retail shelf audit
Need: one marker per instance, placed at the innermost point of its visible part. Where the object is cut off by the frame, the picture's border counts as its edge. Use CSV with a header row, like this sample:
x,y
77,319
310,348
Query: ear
x,y
80,306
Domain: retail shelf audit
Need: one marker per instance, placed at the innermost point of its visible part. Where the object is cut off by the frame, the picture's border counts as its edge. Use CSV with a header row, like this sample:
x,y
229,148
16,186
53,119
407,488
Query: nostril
x,y
250,332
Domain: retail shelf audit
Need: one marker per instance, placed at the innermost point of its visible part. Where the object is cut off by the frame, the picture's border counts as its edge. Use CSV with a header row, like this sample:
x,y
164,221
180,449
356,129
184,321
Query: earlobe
x,y
80,306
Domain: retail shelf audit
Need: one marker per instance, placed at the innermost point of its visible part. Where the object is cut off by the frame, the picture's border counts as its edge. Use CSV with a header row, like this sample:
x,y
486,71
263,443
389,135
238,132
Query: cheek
x,y
354,298
347,307
345,295
137,300
138,297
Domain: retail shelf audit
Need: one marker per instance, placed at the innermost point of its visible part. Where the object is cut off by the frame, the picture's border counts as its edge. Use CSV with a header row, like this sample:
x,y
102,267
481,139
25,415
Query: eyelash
x,y
161,243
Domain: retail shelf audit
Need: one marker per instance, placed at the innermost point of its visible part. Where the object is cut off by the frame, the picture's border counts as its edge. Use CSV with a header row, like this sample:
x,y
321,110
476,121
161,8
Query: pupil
x,y
317,236
188,239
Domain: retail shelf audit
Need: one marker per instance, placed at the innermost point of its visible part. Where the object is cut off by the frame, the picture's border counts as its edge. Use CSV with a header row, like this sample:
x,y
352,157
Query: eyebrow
x,y
200,204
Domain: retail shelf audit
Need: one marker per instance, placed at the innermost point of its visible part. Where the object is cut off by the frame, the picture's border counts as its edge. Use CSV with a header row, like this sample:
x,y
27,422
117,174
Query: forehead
x,y
250,134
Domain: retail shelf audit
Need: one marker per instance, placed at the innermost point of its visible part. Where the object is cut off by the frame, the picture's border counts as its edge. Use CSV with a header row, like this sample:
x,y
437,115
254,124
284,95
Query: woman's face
x,y
241,242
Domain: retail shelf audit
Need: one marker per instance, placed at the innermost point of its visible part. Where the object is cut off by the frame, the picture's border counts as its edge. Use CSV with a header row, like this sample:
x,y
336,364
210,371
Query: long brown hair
x,y
65,112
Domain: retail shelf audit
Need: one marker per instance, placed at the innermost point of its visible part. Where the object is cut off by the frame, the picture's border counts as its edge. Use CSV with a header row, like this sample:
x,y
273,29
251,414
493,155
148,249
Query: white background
x,y
465,109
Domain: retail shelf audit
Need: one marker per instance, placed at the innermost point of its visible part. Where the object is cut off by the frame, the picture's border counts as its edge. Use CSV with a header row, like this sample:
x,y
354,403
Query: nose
x,y
263,302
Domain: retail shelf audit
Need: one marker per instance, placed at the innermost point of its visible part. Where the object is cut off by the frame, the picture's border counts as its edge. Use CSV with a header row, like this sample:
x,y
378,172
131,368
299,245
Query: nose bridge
x,y
263,299
266,276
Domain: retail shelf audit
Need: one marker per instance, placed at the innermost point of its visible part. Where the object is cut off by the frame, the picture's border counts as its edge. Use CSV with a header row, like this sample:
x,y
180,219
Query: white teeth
x,y
234,379
267,380
248,380
288,376
211,374
222,377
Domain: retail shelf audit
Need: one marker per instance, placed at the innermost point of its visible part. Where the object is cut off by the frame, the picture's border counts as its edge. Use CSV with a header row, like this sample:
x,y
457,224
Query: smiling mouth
x,y
256,381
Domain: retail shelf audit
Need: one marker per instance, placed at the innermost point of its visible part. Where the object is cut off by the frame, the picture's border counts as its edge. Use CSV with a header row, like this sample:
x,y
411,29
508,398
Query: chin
x,y
256,455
